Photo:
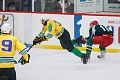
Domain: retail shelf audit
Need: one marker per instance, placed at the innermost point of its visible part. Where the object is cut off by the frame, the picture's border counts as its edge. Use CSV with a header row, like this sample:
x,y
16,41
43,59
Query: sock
x,y
77,52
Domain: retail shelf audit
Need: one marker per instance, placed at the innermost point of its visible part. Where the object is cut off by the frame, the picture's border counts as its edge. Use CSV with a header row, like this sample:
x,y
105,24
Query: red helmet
x,y
94,23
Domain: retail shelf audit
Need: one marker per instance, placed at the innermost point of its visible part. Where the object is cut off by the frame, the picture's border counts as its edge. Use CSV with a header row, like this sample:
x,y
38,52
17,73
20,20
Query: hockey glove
x,y
25,59
80,40
39,39
43,38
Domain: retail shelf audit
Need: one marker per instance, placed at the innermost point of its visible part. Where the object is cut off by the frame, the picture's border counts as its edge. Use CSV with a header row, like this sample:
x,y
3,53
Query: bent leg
x,y
107,40
97,40
89,46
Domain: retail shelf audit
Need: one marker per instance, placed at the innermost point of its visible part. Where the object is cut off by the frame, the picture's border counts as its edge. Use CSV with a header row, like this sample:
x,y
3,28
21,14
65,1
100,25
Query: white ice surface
x,y
47,64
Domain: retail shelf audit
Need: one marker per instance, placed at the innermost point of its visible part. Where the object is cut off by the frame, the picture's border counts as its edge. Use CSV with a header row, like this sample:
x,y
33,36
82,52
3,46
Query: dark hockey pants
x,y
9,73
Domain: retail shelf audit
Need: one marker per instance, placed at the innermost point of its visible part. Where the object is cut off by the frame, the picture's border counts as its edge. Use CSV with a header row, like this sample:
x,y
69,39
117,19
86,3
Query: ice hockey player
x,y
55,28
8,46
98,35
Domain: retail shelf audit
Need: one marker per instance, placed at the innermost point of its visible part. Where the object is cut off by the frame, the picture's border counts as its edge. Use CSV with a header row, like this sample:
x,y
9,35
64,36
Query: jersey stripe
x,y
6,59
24,51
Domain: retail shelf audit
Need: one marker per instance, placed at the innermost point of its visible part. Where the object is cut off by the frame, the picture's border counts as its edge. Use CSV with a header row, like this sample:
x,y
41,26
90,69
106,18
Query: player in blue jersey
x,y
8,45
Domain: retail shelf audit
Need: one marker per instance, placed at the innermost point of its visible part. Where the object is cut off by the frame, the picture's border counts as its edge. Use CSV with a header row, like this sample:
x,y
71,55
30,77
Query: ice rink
x,y
49,64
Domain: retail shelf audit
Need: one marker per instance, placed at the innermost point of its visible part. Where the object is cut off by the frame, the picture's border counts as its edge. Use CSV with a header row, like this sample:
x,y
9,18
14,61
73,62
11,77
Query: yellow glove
x,y
25,59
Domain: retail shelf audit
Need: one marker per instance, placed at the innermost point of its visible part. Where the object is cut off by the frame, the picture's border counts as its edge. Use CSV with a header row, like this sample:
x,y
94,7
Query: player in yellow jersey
x,y
55,28
8,45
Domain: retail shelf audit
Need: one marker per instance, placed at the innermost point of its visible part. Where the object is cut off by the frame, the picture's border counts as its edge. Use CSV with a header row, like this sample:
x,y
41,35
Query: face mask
x,y
45,23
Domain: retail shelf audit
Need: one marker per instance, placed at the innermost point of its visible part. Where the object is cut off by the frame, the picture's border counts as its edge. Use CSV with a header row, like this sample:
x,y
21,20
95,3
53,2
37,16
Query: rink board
x,y
27,25
57,47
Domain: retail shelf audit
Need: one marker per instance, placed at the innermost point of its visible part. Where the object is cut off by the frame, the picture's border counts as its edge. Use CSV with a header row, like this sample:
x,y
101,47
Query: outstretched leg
x,y
66,40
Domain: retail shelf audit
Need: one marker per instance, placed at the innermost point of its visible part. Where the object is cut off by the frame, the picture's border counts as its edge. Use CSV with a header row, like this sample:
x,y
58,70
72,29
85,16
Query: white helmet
x,y
6,28
44,17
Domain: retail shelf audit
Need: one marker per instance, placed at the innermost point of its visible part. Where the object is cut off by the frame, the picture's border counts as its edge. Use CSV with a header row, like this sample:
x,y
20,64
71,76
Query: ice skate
x,y
84,58
89,56
102,56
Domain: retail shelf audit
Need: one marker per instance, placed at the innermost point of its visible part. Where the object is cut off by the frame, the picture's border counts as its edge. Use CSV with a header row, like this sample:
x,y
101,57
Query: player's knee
x,y
68,45
69,48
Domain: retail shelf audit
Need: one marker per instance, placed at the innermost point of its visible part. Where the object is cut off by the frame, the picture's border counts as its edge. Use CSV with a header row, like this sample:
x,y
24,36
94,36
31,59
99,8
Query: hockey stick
x,y
30,47
19,61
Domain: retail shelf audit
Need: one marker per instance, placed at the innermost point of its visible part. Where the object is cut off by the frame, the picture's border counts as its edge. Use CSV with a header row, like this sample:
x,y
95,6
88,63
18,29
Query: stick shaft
x,y
30,47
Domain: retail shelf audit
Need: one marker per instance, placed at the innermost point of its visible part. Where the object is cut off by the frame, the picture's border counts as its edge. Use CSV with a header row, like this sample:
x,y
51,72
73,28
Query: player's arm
x,y
21,48
42,33
90,34
41,38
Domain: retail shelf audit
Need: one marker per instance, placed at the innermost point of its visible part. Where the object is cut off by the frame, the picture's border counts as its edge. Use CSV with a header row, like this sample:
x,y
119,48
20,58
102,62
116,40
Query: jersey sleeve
x,y
42,33
20,47
51,29
90,34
